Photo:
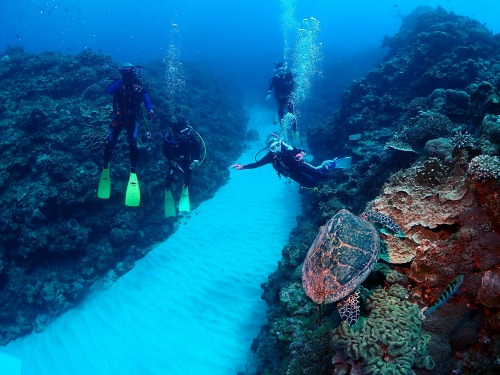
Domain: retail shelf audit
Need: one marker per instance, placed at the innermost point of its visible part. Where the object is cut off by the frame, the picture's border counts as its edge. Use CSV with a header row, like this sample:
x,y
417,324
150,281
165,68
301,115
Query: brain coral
x,y
390,341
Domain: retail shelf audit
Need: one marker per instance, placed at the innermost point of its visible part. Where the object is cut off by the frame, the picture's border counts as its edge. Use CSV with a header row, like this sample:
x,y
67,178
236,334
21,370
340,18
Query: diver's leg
x,y
132,132
114,132
169,176
184,164
290,109
306,180
318,172
281,109
187,177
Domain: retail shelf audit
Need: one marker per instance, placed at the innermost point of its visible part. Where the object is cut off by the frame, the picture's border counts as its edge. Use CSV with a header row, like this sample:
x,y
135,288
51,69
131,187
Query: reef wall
x,y
424,132
58,238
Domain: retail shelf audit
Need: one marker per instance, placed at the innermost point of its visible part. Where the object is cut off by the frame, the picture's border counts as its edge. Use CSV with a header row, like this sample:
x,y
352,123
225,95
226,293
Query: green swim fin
x,y
169,204
133,193
104,189
184,205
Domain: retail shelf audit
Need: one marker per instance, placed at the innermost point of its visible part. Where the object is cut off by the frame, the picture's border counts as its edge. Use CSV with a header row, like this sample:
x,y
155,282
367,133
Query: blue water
x,y
243,38
192,306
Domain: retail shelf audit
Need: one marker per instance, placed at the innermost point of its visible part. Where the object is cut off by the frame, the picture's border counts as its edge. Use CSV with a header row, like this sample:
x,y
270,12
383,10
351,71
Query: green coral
x,y
394,277
391,276
390,339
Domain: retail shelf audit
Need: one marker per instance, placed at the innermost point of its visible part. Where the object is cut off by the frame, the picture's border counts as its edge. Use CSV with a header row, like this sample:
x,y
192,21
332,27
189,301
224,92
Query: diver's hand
x,y
300,156
194,165
268,97
238,167
114,118
151,116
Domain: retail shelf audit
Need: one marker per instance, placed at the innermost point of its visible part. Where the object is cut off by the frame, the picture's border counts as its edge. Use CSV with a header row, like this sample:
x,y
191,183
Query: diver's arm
x,y
272,81
259,163
115,104
294,151
147,102
112,88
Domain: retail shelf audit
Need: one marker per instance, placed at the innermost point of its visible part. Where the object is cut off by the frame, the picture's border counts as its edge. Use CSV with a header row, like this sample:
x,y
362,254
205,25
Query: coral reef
x,y
483,168
423,131
489,293
57,237
420,129
390,339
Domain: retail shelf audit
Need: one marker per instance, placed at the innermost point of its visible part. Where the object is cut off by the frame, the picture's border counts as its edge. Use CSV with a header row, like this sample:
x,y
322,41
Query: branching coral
x,y
484,167
463,140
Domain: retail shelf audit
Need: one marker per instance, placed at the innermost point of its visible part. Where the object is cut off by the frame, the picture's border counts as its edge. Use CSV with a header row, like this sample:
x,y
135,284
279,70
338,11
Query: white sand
x,y
192,305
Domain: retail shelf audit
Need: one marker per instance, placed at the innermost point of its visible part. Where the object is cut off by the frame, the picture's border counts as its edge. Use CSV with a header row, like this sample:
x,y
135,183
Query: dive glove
x,y
300,156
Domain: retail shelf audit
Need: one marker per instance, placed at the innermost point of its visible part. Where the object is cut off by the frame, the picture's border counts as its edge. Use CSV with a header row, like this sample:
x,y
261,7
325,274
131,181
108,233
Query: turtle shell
x,y
341,257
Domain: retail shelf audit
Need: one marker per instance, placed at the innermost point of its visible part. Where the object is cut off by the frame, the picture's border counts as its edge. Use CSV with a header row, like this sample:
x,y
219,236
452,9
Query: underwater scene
x,y
282,187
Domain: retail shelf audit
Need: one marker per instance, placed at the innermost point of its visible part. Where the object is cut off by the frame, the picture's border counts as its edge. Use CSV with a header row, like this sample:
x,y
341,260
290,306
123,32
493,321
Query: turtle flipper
x,y
349,308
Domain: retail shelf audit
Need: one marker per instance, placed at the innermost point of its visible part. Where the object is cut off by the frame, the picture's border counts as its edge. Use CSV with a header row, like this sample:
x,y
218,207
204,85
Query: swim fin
x,y
184,205
343,163
104,189
133,193
169,204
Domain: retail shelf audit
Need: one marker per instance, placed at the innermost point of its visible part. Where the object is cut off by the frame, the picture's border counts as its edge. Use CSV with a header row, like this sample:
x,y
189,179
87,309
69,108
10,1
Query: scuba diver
x,y
182,149
128,93
283,84
289,161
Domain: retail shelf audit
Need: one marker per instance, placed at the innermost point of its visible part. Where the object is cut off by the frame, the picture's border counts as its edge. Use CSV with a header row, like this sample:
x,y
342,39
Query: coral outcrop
x,y
390,339
57,237
422,128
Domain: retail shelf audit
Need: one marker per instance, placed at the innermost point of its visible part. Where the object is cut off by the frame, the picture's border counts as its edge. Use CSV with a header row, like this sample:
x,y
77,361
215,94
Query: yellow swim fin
x,y
169,204
104,189
133,193
184,205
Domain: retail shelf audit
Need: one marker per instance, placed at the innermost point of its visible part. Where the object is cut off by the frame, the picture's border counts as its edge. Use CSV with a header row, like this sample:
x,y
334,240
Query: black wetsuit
x,y
285,164
283,88
127,97
180,151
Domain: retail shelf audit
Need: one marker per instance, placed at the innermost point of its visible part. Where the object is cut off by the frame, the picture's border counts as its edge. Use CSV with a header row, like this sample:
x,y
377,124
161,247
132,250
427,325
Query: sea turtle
x,y
341,257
